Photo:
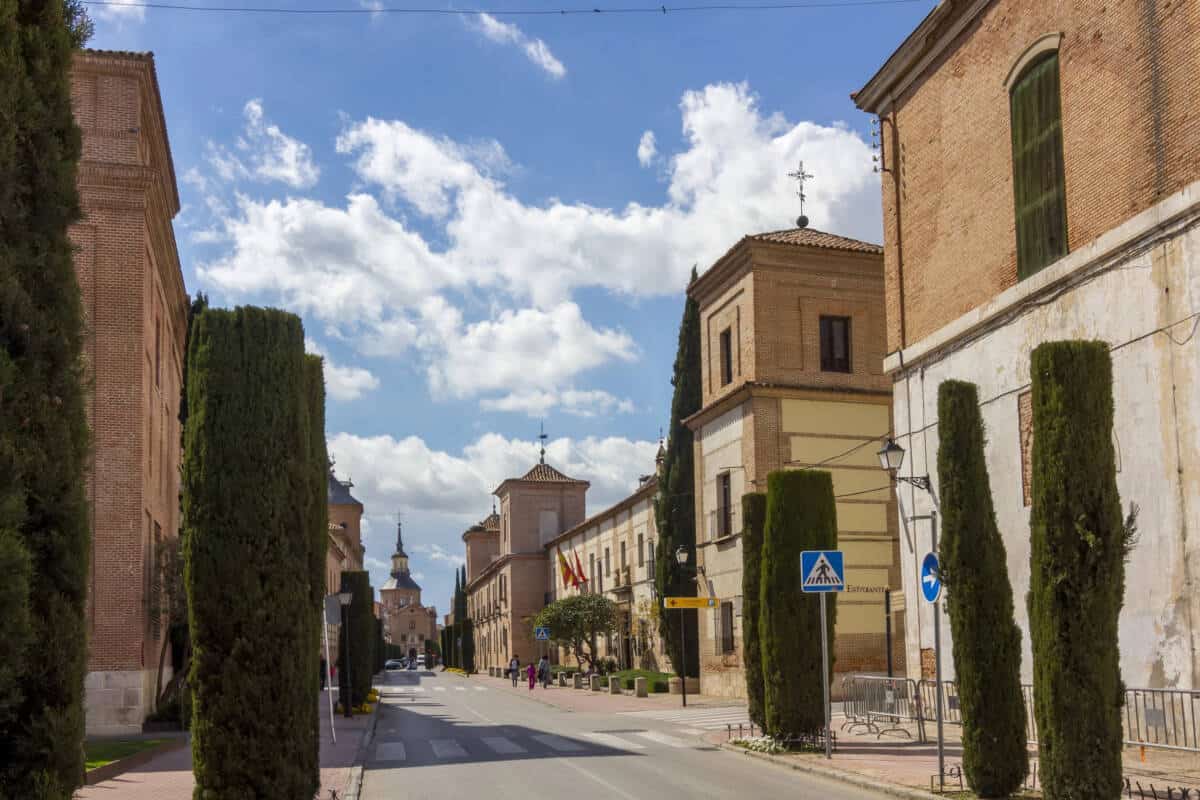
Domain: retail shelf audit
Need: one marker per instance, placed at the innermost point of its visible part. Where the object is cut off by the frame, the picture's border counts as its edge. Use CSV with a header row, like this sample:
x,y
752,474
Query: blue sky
x,y
488,221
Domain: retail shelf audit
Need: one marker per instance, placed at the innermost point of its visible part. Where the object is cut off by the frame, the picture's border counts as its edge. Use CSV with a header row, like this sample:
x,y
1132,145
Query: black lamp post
x,y
681,558
344,599
891,457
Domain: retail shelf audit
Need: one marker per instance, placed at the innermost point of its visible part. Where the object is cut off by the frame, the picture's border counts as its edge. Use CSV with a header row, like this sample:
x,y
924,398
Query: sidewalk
x,y
169,776
568,698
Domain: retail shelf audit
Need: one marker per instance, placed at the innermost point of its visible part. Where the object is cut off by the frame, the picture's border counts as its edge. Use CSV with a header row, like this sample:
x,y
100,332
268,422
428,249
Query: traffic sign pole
x,y
825,675
937,659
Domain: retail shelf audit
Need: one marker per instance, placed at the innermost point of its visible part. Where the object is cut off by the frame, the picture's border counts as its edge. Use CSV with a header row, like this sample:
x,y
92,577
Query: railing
x,y
1168,719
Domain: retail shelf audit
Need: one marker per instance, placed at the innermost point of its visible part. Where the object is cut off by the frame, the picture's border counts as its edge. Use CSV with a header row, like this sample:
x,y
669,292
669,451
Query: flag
x,y
568,576
579,576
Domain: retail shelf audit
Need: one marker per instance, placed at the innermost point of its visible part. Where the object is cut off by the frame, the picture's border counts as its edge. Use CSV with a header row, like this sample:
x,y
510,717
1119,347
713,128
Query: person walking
x,y
544,672
514,670
531,673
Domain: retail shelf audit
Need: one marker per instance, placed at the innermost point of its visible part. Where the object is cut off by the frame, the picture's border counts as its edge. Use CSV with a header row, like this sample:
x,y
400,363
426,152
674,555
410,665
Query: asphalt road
x,y
442,736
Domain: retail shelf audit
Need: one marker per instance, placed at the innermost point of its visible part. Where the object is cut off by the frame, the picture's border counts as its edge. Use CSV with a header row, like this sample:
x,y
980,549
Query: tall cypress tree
x,y
468,646
247,542
754,513
987,641
358,637
318,532
675,506
801,515
44,440
1077,572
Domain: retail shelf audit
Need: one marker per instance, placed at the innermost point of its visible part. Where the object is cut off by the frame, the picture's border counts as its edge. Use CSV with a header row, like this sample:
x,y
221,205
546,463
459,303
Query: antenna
x,y
543,437
801,176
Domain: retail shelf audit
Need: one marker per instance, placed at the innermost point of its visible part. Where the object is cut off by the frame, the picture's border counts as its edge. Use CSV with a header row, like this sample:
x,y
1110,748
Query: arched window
x,y
1039,183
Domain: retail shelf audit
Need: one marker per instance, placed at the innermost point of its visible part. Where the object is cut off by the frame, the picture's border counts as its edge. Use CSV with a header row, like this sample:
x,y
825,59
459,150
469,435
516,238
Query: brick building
x,y
345,551
136,314
792,344
506,560
406,622
1042,181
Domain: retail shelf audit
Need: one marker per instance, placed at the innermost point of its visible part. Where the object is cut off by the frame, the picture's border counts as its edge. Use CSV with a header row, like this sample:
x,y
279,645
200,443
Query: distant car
x,y
393,663
420,662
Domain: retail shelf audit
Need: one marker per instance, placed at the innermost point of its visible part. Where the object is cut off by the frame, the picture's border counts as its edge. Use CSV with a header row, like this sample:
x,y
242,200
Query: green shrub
x,y
987,641
358,625
247,544
1077,572
800,516
754,513
655,681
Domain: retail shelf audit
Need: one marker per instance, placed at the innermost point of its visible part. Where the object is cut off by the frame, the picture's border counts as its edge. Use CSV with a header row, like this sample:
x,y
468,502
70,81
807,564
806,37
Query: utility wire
x,y
509,12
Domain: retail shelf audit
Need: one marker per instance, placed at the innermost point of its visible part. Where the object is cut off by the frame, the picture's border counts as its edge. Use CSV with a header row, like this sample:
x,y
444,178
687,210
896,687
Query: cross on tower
x,y
800,175
543,437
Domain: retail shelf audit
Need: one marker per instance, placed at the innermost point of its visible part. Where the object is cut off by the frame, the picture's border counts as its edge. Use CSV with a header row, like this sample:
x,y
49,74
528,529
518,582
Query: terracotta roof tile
x,y
544,473
809,237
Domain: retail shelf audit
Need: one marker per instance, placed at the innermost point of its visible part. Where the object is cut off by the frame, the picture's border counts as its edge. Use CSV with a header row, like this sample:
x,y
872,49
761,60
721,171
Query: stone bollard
x,y
595,683
674,686
614,685
562,679
578,678
639,687
491,672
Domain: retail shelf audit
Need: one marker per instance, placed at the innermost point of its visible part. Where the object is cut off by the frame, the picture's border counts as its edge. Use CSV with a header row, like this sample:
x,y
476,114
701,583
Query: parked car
x,y
393,663
420,662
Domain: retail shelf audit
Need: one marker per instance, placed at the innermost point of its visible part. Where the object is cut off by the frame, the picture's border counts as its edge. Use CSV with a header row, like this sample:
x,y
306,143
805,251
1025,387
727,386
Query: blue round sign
x,y
931,580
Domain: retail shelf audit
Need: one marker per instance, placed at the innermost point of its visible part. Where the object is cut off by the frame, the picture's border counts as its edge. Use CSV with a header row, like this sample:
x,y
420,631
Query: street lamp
x,y
681,558
344,600
891,457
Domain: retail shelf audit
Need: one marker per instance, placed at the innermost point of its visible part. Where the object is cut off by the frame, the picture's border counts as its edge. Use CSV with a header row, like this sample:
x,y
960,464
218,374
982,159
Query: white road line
x,y
460,688
390,751
439,688
480,689
588,773
614,742
502,746
447,748
558,743
661,738
690,731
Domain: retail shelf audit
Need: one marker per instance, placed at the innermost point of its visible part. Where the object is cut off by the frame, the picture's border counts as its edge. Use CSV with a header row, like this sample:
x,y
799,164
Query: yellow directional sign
x,y
691,602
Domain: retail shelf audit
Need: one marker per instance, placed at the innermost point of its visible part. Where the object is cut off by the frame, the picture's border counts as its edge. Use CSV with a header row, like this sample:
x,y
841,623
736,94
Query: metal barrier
x,y
952,707
869,700
1164,718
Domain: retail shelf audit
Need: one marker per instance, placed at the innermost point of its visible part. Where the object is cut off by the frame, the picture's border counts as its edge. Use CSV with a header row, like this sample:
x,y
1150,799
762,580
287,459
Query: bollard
x,y
639,687
614,685
596,683
578,678
562,679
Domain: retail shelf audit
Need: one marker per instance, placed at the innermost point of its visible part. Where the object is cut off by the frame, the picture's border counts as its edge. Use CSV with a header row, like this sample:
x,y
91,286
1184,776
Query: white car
x,y
420,662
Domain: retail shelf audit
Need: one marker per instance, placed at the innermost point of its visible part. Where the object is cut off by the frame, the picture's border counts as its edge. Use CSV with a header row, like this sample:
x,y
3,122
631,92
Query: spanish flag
x,y
579,576
567,575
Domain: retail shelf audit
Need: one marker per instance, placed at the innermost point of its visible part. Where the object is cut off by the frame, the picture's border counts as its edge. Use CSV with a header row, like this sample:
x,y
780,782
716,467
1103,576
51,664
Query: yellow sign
x,y
691,602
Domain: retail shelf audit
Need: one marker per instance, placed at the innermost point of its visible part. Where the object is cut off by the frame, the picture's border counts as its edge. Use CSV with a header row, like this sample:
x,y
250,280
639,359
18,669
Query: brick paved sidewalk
x,y
571,699
169,776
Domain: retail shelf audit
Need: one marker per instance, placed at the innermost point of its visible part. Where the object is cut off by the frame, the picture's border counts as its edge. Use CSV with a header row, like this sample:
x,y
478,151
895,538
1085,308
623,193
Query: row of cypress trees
x,y
44,440
781,625
254,528
358,635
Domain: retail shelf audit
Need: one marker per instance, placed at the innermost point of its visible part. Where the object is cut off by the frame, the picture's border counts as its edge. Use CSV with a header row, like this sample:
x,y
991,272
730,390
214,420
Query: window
x,y
835,344
623,562
727,627
607,563
412,626
503,593
651,553
641,551
726,356
1039,186
724,525
592,570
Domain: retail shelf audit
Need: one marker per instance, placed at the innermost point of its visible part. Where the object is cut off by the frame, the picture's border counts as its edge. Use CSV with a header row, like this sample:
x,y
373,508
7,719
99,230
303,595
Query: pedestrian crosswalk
x,y
695,721
388,752
393,691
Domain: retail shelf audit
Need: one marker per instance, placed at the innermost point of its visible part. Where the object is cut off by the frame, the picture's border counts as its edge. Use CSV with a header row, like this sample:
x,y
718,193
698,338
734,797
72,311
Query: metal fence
x,y
1161,718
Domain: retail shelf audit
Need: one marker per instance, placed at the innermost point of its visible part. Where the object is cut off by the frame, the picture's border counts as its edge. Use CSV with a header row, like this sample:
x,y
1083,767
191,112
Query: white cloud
x,y
435,553
406,473
343,383
588,403
647,149
119,11
535,50
376,563
268,154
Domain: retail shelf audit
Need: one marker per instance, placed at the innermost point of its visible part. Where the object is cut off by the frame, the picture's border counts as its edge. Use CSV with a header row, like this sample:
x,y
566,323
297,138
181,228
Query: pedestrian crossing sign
x,y
822,571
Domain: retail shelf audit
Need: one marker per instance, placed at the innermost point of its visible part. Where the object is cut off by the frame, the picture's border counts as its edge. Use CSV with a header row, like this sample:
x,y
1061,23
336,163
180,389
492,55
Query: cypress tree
x,y
44,529
317,505
675,505
357,636
1077,572
468,646
246,549
987,641
800,516
754,512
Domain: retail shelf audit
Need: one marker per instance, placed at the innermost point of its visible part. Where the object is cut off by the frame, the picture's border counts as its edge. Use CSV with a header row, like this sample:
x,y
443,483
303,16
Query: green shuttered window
x,y
1039,186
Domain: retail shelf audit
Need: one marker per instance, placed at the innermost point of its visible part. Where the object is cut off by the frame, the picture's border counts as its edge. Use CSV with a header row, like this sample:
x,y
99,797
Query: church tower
x,y
407,623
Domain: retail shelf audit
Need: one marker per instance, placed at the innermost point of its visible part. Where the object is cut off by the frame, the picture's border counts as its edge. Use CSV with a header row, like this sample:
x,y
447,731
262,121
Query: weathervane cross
x,y
801,176
543,437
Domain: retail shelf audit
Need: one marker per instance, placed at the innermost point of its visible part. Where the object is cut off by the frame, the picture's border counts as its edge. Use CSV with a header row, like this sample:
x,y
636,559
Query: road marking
x,y
588,773
439,688
661,738
615,742
390,751
559,743
460,688
480,689
502,746
690,731
447,748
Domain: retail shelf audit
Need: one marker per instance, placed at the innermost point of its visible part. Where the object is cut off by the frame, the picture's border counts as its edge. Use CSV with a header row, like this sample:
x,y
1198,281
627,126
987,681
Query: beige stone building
x,y
406,622
792,343
1059,200
616,550
345,552
506,560
136,314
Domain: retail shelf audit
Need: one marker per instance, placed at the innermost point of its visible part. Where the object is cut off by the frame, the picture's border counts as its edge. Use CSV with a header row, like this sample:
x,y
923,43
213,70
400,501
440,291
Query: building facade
x,y
136,318
1059,200
506,561
792,345
407,623
345,550
612,553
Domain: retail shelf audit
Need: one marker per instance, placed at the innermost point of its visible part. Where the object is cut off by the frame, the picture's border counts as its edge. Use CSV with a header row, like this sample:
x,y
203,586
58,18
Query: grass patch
x,y
99,752
655,681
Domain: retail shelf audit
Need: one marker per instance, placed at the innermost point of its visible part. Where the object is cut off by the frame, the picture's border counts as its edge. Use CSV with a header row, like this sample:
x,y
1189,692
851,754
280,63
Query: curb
x,y
854,779
115,768
354,783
